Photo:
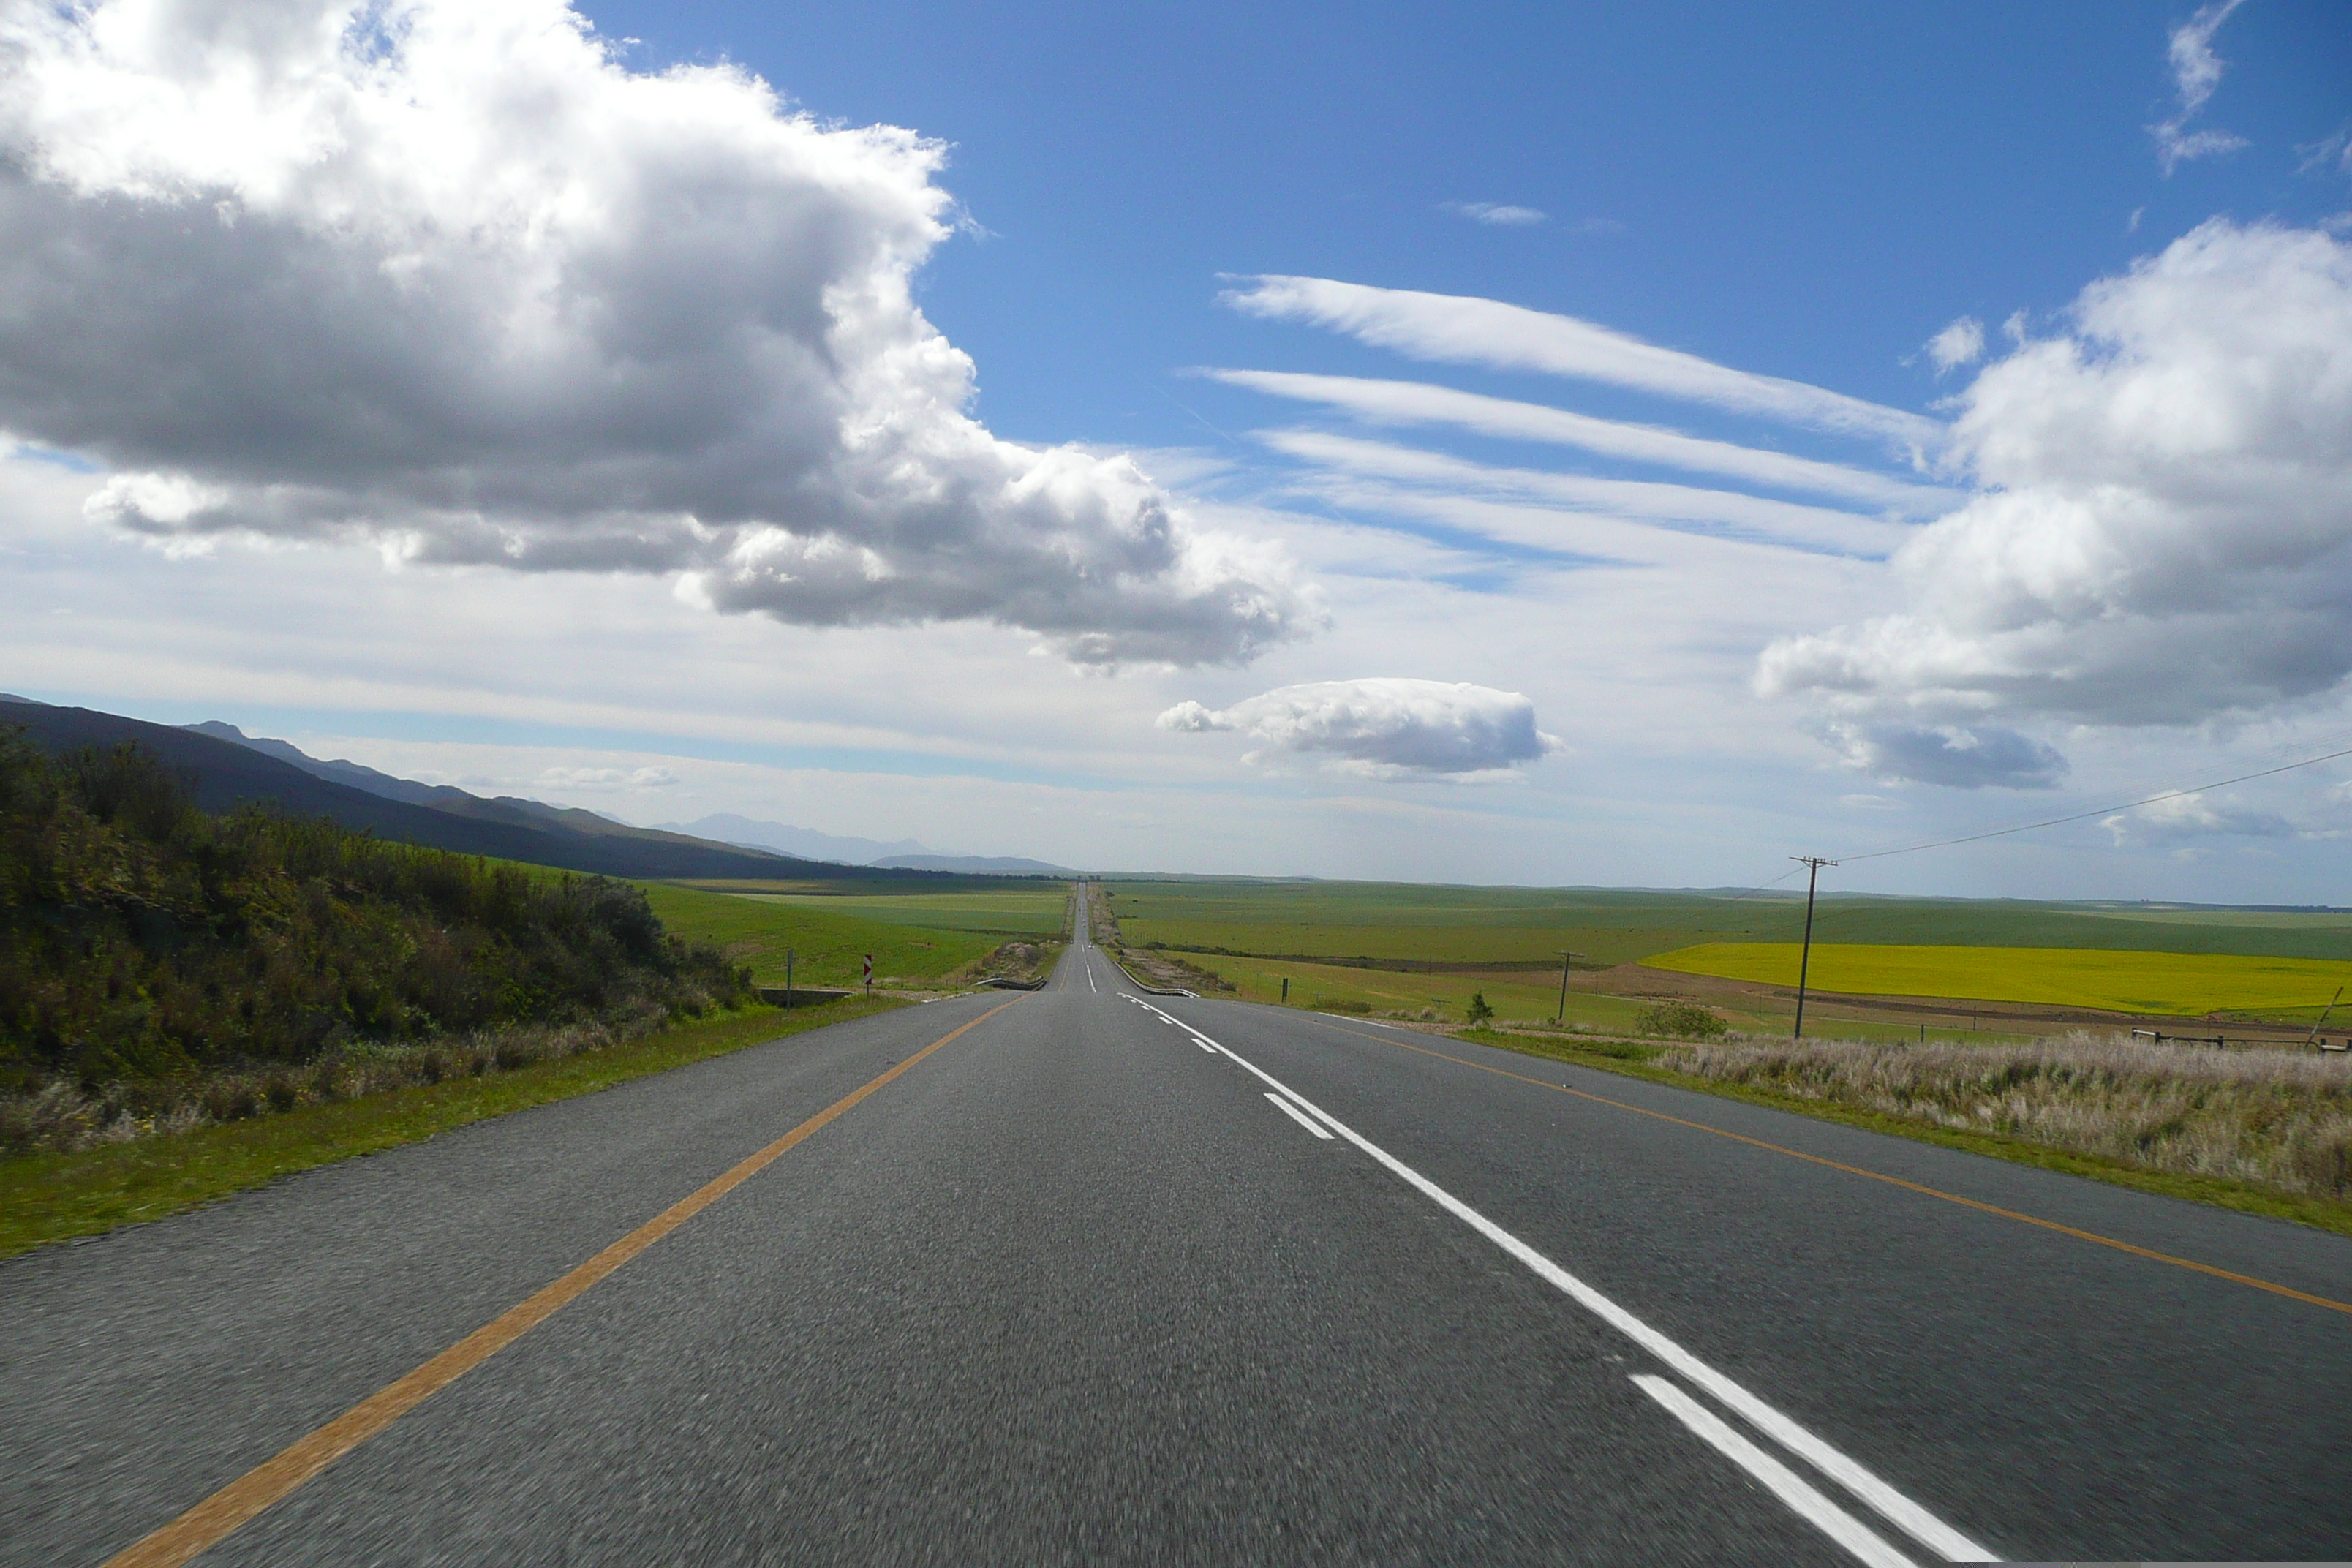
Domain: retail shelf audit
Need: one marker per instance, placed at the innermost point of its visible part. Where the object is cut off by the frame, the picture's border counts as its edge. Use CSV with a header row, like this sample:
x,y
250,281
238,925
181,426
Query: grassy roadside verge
x,y
55,1196
1632,1059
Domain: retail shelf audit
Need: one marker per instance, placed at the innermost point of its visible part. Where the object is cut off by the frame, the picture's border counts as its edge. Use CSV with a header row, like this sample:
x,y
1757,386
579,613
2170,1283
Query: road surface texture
x,y
1110,1278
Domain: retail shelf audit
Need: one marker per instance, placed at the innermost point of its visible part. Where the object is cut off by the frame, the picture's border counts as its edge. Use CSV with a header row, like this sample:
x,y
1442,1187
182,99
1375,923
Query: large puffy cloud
x,y
2165,532
449,275
1385,727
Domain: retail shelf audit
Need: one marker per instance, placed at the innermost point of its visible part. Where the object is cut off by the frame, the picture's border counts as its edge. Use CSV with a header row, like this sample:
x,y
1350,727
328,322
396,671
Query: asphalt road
x,y
1079,1287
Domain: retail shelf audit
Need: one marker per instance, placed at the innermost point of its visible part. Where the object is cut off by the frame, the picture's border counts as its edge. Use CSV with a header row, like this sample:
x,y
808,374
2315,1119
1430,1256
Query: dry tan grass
x,y
2276,1118
62,1116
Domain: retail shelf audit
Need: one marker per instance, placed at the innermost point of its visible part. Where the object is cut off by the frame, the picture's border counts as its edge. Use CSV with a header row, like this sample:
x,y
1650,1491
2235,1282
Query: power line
x,y
2102,811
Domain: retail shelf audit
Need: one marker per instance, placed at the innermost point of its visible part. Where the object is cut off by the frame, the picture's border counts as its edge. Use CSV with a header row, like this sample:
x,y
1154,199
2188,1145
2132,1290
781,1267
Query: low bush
x,y
1681,1021
63,1116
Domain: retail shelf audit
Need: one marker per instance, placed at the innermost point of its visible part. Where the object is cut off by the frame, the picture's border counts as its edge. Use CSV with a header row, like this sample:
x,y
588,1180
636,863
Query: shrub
x,y
1681,1021
142,941
1478,1012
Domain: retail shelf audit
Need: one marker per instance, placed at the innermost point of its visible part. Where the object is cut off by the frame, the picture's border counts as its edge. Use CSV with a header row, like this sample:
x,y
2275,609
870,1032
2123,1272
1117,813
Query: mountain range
x,y
226,768
904,855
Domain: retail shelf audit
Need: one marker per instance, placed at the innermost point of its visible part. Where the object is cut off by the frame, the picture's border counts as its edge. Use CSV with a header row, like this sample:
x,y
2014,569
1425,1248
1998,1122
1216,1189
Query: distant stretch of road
x,y
1116,1277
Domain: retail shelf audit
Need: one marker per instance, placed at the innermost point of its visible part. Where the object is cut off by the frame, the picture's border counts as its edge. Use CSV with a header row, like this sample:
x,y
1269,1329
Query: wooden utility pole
x,y
1813,864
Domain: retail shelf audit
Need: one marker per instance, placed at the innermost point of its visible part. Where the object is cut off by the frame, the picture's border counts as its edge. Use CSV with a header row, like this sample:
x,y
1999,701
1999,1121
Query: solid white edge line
x,y
1773,1476
1892,1505
1296,1115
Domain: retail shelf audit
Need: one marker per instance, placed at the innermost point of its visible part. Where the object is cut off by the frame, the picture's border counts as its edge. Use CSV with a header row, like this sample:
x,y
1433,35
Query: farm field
x,y
1604,928
1022,911
828,936
1522,997
2181,984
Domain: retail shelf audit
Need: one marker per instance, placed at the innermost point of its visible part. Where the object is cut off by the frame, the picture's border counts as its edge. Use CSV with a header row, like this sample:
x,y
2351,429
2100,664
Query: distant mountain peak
x,y
785,839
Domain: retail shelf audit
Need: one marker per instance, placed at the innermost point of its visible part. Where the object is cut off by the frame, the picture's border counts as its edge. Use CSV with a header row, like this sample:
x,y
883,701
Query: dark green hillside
x,y
142,937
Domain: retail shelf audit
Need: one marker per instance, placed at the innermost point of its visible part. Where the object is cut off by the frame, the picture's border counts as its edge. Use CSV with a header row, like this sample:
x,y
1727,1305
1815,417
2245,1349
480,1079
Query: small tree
x,y
1478,1012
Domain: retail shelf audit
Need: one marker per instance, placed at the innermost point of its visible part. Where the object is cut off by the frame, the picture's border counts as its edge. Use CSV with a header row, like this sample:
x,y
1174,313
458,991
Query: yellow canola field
x,y
2185,983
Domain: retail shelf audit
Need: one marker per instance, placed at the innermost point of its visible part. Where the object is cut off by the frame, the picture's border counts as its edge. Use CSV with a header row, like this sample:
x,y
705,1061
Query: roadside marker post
x,y
788,979
869,972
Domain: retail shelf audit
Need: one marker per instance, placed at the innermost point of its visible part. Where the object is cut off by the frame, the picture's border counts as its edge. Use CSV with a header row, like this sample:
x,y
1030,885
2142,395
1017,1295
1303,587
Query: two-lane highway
x,y
1115,1277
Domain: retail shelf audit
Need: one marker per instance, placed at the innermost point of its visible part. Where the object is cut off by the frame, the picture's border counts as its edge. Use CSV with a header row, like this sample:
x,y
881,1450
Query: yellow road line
x,y
271,1482
2287,1290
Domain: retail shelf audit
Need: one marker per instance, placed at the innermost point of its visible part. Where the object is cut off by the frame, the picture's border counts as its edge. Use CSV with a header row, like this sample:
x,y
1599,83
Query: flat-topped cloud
x,y
1384,727
450,277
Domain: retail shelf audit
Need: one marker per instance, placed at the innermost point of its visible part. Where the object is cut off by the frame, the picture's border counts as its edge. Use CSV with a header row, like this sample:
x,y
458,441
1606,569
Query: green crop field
x,y
1523,925
1015,912
829,936
2181,984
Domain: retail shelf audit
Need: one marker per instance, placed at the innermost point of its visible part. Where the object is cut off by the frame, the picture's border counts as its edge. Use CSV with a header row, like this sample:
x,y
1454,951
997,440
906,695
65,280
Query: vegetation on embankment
x,y
145,944
56,1195
2276,1118
2262,1131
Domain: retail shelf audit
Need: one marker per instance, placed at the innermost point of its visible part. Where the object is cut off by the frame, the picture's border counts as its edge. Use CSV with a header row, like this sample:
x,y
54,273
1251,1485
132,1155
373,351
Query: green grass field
x,y
2180,984
829,936
1458,925
1019,911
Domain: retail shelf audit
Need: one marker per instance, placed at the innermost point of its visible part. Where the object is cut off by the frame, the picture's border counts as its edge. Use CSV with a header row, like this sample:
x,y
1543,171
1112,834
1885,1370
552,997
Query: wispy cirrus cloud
x,y
2196,72
1467,330
1497,214
1411,402
1760,517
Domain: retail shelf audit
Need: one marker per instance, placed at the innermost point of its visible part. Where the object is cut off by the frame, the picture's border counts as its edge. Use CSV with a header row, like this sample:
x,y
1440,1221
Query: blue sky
x,y
1484,444
1808,191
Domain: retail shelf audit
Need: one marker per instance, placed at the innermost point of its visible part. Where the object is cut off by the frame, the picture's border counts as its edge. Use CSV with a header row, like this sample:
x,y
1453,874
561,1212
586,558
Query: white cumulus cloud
x,y
2191,815
2165,534
450,276
1385,727
1961,343
1955,756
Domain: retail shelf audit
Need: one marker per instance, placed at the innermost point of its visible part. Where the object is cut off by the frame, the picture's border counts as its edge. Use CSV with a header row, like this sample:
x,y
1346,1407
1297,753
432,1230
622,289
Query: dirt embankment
x,y
1159,968
1027,961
